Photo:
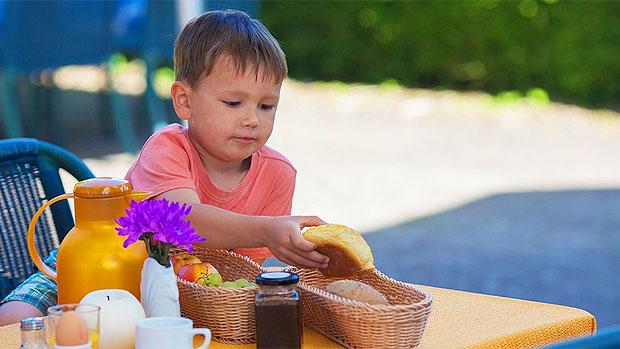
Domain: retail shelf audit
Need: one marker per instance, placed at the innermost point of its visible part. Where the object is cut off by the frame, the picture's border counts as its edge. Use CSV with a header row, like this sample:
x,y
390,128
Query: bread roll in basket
x,y
370,310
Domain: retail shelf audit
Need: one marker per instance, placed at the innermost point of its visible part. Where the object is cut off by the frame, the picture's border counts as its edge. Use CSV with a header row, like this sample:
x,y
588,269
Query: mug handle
x,y
203,331
32,247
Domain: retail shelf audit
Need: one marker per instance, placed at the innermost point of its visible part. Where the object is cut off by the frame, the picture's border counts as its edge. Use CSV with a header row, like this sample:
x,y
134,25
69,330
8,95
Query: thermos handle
x,y
32,247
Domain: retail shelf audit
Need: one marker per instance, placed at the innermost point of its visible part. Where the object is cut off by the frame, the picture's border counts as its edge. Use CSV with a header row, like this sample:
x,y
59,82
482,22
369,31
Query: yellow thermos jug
x,y
92,256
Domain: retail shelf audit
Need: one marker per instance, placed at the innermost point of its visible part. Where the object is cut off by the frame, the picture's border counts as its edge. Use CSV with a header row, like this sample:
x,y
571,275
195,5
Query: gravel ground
x,y
453,190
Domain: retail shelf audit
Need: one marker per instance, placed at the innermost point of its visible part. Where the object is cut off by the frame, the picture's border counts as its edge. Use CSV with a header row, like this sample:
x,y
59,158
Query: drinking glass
x,y
89,312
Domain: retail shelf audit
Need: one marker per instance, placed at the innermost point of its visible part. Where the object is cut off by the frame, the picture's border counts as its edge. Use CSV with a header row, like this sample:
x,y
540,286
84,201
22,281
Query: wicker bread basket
x,y
227,312
360,325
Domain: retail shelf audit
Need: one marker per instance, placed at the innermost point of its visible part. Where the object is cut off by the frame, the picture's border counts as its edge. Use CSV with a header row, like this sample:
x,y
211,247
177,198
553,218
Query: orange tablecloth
x,y
460,320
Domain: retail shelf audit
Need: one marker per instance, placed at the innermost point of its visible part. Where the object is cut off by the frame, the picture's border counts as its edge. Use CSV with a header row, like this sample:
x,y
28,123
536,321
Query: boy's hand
x,y
282,235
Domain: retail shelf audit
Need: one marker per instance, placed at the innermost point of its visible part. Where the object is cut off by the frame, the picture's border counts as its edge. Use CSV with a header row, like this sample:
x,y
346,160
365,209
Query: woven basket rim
x,y
426,301
198,249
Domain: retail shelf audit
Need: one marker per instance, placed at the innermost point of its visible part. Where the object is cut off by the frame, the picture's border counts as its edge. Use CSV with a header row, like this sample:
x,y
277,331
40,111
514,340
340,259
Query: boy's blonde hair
x,y
229,32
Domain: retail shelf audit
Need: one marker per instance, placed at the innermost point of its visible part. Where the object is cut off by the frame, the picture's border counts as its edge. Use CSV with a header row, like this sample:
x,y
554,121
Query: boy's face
x,y
231,113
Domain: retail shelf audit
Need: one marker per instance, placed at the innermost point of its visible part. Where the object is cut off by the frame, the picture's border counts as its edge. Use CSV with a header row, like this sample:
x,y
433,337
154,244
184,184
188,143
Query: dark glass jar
x,y
278,311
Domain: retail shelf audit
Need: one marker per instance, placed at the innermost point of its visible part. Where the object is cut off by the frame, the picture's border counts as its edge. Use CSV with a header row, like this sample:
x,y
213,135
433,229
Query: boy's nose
x,y
250,118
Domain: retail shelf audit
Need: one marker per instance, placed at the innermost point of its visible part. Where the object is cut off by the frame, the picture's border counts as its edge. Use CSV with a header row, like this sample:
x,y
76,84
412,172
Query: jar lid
x,y
102,187
32,324
277,278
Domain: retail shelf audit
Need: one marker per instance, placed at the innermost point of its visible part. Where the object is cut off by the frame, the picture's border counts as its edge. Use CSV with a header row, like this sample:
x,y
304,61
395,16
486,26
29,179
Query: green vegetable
x,y
240,283
214,280
228,284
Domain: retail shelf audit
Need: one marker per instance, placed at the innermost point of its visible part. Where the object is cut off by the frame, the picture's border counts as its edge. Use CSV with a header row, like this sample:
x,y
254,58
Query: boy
x,y
229,71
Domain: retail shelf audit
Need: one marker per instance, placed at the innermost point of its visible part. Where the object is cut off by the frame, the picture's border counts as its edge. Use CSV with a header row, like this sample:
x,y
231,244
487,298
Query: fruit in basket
x,y
239,283
182,259
357,291
349,254
211,280
201,273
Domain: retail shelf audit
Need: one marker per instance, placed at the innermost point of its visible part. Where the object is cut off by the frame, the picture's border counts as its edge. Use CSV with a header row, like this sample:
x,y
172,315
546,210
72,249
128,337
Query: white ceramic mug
x,y
169,333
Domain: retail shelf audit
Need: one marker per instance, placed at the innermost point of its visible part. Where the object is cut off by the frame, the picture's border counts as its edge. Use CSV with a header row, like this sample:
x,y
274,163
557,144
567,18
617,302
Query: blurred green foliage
x,y
569,48
163,78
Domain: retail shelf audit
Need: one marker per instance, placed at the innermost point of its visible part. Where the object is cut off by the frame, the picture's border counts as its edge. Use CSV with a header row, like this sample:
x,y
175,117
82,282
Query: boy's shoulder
x,y
275,158
170,134
172,130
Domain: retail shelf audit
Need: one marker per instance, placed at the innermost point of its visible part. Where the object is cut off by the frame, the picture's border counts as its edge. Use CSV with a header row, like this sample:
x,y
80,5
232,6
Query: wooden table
x,y
460,320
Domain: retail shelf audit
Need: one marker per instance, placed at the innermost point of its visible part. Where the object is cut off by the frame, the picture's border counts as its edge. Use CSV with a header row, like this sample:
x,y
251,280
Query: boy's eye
x,y
266,106
232,103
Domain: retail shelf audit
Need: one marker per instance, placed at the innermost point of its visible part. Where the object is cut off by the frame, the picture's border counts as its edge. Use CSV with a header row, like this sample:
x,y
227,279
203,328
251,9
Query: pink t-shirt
x,y
168,160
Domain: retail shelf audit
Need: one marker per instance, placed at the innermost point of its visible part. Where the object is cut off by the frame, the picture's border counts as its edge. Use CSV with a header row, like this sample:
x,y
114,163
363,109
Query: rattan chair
x,y
29,176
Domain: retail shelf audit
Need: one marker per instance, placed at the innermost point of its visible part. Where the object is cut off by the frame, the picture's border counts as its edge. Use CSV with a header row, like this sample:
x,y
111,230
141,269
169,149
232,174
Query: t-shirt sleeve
x,y
280,200
162,165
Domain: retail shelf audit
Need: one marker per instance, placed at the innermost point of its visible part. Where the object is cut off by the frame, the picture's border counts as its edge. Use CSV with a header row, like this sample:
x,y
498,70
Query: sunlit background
x,y
475,144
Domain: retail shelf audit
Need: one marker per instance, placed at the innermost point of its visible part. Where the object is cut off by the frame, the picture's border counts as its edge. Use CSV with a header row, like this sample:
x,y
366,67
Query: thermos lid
x,y
32,324
277,278
102,187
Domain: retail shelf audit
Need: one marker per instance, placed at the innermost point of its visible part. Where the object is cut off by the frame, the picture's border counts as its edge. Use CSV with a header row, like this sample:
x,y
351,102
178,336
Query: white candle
x,y
120,311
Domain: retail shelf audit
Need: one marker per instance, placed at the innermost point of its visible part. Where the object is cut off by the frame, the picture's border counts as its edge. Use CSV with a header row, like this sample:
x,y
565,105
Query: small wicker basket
x,y
355,324
227,312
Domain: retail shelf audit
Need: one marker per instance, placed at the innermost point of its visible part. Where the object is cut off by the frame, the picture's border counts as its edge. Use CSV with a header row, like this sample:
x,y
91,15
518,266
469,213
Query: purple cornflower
x,y
161,224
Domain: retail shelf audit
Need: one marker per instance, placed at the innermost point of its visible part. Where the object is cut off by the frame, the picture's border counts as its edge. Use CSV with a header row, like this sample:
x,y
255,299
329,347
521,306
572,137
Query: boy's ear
x,y
181,94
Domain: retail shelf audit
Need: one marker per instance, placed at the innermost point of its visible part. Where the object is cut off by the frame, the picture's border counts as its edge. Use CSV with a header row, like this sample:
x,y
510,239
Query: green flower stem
x,y
159,251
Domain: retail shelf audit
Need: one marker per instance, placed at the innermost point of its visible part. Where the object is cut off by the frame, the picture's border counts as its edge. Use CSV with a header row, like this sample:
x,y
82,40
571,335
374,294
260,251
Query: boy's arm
x,y
32,297
227,230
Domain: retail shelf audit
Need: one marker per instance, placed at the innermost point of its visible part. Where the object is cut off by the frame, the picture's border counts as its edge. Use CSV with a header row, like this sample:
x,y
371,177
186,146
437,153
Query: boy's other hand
x,y
283,237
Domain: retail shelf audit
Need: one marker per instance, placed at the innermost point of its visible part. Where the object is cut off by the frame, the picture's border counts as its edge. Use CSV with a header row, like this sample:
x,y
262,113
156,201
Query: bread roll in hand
x,y
349,254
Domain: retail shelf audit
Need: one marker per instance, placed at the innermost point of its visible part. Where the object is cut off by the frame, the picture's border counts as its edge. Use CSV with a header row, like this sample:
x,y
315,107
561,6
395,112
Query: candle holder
x,y
89,312
120,311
